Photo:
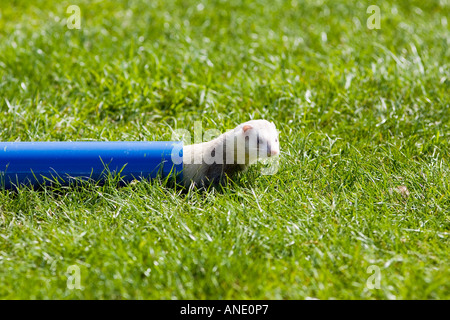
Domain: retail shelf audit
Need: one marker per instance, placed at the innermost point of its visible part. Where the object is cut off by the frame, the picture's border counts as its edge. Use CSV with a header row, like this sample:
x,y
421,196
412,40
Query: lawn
x,y
358,209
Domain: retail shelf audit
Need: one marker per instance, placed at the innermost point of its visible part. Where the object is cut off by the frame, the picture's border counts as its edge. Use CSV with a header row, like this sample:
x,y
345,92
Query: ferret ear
x,y
247,127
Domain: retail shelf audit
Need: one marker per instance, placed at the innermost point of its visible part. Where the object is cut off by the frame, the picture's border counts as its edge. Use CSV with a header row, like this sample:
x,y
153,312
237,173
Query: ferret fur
x,y
213,161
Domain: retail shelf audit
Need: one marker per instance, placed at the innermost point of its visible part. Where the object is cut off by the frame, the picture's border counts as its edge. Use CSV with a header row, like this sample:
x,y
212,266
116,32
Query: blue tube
x,y
38,163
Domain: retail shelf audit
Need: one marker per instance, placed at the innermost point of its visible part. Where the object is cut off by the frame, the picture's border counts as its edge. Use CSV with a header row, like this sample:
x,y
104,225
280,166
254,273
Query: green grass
x,y
360,112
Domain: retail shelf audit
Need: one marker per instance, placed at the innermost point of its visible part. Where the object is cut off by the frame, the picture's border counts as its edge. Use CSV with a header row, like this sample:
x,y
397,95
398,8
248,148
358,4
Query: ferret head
x,y
259,138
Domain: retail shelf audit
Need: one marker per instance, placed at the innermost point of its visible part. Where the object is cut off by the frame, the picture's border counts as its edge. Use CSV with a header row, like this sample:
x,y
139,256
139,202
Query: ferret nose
x,y
272,152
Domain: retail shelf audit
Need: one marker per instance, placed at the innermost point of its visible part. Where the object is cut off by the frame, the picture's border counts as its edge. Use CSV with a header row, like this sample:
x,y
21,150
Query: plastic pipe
x,y
38,163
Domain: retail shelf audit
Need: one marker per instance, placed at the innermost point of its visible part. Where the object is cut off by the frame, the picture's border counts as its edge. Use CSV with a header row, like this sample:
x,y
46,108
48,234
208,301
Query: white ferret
x,y
213,161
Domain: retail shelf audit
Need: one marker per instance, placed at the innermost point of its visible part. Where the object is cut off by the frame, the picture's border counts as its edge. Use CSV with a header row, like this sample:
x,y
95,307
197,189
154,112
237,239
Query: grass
x,y
360,113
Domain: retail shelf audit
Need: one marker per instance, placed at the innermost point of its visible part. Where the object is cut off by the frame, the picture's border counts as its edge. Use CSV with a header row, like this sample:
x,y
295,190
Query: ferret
x,y
210,163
